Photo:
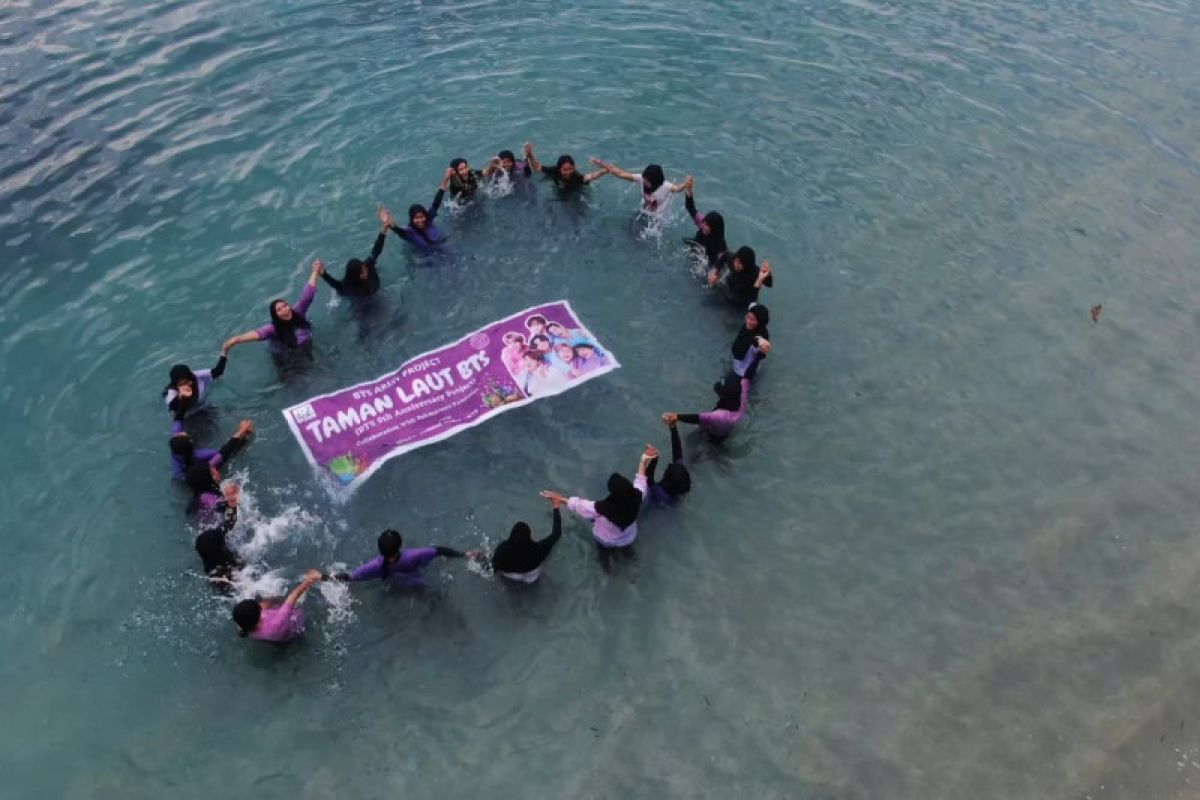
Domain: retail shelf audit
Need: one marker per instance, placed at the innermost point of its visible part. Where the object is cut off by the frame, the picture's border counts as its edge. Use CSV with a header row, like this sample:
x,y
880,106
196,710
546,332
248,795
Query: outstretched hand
x,y
764,345
318,267
670,418
650,452
385,217
556,499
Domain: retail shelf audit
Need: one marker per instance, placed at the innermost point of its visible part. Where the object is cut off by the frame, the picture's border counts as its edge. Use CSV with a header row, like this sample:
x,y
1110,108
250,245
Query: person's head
x,y
520,534
389,544
556,329
183,446
713,224
729,394
536,323
676,480
246,614
743,259
652,178
623,501
585,350
418,217
757,318
564,351
186,387
514,338
531,360
461,168
181,374
203,478
540,342
565,166
286,320
356,271
507,160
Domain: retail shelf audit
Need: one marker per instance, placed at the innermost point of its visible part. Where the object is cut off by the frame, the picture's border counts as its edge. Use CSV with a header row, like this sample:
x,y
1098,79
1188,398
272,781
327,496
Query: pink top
x,y
604,530
280,624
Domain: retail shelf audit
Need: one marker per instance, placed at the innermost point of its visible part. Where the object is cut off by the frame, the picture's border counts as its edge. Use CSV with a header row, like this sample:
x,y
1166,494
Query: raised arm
x,y
219,370
615,170
310,577
676,445
441,193
241,338
689,202
234,444
764,276
672,417
385,221
679,187
531,159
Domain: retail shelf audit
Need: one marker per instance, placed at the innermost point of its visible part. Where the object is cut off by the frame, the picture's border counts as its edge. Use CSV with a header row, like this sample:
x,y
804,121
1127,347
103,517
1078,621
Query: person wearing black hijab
x,y
184,452
710,228
656,189
289,330
752,343
220,562
519,557
614,519
743,278
564,173
209,500
422,232
186,390
361,278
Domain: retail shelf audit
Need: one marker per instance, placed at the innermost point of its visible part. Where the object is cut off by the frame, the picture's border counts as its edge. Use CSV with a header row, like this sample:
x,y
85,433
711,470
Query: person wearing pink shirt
x,y
270,622
614,519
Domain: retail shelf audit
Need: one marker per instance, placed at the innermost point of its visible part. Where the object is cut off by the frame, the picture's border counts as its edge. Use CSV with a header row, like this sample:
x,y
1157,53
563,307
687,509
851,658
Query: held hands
x,y
244,429
763,345
670,418
528,149
556,499
688,184
650,453
448,176
765,270
312,576
318,267
385,217
597,162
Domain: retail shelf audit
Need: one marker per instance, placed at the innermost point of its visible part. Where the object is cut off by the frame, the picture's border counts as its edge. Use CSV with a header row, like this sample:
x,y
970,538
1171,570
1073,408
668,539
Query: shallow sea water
x,y
952,553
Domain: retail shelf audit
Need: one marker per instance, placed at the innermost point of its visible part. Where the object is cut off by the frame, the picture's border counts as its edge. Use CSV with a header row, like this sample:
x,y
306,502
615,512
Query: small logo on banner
x,y
304,413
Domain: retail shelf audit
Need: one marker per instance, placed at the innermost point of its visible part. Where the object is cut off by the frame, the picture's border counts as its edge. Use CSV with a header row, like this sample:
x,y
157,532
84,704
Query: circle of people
x,y
520,557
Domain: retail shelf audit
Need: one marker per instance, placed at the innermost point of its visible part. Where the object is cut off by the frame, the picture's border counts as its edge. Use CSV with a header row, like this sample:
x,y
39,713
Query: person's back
x,y
520,557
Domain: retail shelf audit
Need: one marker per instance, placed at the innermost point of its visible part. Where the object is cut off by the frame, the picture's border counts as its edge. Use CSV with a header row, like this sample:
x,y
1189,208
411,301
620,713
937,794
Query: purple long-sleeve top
x,y
721,422
605,530
279,624
303,335
204,382
408,570
430,237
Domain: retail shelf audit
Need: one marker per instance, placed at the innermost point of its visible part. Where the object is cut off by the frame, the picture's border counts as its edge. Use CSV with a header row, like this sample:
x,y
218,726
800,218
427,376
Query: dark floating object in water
x,y
1096,312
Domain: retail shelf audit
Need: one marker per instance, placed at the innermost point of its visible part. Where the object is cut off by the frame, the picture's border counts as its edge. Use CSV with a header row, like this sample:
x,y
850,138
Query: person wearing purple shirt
x,y
732,402
398,566
505,163
269,622
289,329
614,519
184,452
421,232
188,389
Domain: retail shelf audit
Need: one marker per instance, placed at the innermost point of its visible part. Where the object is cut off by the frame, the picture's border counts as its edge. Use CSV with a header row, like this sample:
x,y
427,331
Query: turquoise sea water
x,y
952,553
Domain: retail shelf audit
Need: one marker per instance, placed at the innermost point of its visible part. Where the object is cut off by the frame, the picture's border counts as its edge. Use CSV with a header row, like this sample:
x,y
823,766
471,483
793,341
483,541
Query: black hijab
x,y
413,210
745,337
623,502
653,175
286,329
181,373
354,281
713,242
183,446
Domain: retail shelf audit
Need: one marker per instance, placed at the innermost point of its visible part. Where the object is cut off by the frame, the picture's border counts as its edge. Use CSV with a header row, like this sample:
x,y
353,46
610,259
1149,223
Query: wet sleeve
x,y
266,332
219,370
551,171
403,234
547,544
368,571
377,248
752,370
448,552
676,446
639,483
583,507
333,282
650,469
745,401
176,426
528,170
690,419
231,448
769,280
690,204
306,298
437,202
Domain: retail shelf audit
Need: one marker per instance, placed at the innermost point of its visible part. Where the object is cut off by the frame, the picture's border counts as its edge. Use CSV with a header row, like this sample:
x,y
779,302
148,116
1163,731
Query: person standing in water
x,y
505,165
656,189
361,278
187,391
751,345
614,519
184,452
289,330
221,564
269,622
519,558
676,480
733,399
567,178
399,567
710,228
743,278
421,231
464,181
210,501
